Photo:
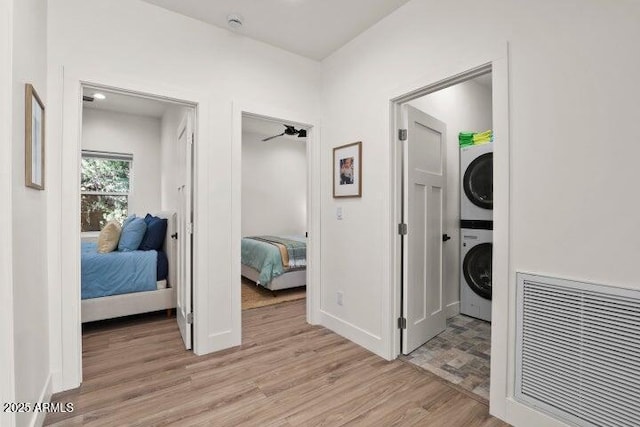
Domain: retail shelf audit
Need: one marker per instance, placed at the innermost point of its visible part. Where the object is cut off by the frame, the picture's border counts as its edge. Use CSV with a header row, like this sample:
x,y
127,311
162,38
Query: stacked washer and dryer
x,y
476,229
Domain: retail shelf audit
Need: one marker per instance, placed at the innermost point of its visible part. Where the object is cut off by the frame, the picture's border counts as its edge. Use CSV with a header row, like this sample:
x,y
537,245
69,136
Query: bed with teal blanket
x,y
275,262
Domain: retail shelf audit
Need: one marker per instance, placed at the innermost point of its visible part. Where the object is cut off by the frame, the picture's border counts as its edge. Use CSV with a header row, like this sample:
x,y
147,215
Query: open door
x,y
184,229
424,163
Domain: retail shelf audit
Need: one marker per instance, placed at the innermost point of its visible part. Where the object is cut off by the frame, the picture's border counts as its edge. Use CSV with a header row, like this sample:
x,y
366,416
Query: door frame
x,y
276,113
501,357
66,349
7,379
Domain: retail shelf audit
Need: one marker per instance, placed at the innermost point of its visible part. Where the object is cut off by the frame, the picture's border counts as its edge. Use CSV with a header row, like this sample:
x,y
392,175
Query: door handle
x,y
174,236
445,237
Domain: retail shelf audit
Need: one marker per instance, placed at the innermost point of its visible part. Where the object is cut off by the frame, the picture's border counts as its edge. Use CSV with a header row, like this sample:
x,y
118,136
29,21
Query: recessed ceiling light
x,y
99,96
234,21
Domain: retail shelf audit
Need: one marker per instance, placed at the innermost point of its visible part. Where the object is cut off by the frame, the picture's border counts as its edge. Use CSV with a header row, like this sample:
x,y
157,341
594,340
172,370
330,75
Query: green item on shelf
x,y
465,138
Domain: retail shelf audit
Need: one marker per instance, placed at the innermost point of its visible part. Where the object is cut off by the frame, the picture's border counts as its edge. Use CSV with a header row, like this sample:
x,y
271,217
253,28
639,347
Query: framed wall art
x,y
347,170
34,139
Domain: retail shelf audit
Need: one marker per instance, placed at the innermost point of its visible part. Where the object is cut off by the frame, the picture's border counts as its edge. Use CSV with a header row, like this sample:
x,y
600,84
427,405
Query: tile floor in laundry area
x,y
460,354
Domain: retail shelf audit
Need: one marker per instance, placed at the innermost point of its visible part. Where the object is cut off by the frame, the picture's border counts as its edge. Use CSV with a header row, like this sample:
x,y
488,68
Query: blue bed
x,y
120,284
115,273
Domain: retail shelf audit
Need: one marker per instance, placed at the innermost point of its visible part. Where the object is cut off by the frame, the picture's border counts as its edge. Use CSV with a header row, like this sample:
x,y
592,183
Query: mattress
x,y
116,273
266,257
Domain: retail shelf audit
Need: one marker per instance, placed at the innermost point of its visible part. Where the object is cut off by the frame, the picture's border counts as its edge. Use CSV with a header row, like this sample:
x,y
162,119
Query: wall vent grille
x,y
578,350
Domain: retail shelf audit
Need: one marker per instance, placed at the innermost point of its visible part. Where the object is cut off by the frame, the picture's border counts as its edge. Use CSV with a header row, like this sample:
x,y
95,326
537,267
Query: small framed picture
x,y
347,170
34,139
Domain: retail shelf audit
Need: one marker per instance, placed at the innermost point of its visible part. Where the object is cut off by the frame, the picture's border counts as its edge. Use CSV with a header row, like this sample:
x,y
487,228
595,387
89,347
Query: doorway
x,y
274,212
136,206
444,325
295,128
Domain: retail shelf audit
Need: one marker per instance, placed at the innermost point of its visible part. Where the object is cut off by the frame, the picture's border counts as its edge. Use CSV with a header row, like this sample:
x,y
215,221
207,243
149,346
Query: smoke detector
x,y
234,21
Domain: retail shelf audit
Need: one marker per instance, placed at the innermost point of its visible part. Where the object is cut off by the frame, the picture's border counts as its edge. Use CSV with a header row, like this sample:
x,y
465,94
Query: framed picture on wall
x,y
34,139
347,170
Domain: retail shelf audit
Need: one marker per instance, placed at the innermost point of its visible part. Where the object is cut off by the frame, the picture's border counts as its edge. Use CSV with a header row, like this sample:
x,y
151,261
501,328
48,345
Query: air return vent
x,y
578,351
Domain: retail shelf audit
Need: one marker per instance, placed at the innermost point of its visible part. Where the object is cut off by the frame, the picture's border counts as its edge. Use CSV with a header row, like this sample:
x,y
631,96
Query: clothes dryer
x,y
476,180
475,279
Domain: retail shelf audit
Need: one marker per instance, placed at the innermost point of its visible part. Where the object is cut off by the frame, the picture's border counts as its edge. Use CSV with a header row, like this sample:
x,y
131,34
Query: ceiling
x,y
126,104
267,128
311,28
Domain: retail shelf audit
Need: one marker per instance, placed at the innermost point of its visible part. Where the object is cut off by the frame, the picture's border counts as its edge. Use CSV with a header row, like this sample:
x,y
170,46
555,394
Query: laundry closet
x,y
458,347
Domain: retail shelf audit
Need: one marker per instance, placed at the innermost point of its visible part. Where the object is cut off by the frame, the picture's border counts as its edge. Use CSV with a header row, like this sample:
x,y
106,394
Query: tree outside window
x,y
104,186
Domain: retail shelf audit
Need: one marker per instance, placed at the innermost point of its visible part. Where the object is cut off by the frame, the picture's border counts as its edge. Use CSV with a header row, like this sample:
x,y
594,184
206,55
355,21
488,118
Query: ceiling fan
x,y
289,130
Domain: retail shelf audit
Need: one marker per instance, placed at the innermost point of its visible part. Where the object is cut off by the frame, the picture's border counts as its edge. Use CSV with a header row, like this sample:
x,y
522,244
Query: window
x,y
104,187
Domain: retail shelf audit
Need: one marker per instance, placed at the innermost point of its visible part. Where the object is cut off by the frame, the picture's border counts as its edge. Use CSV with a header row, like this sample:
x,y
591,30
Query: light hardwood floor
x,y
286,373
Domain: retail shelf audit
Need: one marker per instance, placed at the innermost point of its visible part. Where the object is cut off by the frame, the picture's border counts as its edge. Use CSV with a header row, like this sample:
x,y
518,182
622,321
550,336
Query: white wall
x,y
168,157
573,104
104,130
463,107
175,54
29,224
274,186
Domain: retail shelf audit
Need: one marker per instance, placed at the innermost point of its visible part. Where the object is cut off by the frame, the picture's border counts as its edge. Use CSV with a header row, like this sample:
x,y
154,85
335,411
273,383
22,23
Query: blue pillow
x,y
128,220
156,232
132,234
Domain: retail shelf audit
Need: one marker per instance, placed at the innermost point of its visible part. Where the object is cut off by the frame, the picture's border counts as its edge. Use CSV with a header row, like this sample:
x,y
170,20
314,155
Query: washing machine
x,y
475,279
476,180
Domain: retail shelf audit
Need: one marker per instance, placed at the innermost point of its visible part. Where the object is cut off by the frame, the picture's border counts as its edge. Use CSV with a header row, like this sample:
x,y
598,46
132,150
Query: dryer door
x,y
476,268
478,181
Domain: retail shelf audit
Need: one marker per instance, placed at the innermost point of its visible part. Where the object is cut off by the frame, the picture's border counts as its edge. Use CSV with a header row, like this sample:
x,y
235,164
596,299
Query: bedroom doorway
x,y
277,201
136,212
274,212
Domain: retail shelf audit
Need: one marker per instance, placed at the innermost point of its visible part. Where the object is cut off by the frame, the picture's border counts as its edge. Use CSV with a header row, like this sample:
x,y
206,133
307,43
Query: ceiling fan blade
x,y
272,137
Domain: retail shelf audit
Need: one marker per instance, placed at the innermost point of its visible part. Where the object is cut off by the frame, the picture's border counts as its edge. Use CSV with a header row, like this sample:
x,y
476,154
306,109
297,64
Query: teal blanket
x,y
265,257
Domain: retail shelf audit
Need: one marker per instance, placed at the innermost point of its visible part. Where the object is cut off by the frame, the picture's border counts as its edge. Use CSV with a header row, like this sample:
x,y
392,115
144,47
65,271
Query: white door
x,y
184,220
423,205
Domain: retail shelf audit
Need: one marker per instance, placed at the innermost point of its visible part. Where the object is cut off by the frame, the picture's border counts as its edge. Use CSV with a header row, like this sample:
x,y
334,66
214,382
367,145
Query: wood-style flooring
x,y
286,373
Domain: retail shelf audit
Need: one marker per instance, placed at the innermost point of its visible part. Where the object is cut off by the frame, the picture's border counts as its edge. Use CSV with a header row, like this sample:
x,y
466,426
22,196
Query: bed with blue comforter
x,y
115,273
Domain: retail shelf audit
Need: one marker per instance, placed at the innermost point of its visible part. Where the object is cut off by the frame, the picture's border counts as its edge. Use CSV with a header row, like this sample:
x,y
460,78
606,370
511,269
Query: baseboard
x,y
353,333
524,416
452,309
45,396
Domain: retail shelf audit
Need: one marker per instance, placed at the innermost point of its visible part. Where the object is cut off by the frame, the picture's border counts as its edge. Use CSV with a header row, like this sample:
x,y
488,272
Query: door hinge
x,y
402,229
193,138
402,134
402,323
190,228
190,318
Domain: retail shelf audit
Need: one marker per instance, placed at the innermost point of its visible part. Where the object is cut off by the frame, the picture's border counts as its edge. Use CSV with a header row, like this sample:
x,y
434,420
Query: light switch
x,y
339,212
